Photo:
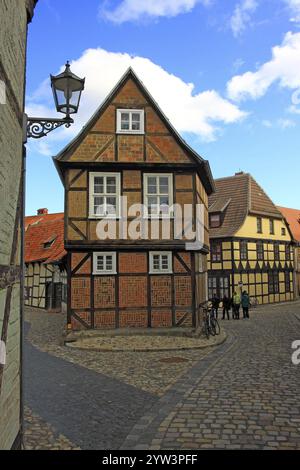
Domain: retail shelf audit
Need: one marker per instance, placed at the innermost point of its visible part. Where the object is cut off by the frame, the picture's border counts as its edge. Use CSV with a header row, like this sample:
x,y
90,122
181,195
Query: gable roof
x,y
292,217
40,230
241,195
35,219
204,167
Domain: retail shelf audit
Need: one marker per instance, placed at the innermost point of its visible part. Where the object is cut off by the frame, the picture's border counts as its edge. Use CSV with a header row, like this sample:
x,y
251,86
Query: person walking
x,y
226,306
236,302
245,304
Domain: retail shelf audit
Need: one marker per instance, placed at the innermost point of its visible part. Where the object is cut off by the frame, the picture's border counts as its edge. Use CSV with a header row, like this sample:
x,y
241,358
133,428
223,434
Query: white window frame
x,y
160,271
130,130
96,271
146,195
92,177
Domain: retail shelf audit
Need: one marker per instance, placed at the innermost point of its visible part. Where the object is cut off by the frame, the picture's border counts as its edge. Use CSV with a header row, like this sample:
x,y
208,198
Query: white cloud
x,y
282,123
267,123
242,16
134,10
294,6
285,123
190,112
284,68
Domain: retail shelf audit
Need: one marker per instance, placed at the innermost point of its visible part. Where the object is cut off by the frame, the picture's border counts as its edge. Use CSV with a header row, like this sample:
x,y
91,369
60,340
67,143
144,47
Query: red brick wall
x,y
104,291
161,287
122,300
133,291
134,319
105,319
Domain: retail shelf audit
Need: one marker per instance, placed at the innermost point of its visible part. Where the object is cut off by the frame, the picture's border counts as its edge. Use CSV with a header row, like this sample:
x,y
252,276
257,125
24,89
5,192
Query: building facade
x,y
45,261
13,36
251,246
292,216
129,148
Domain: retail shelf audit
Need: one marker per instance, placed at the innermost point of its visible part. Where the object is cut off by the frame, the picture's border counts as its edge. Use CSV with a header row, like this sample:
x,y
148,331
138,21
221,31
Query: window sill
x,y
160,272
130,132
105,273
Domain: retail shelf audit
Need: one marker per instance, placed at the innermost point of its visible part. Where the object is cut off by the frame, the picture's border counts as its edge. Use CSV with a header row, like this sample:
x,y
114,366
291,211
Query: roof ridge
x,y
233,176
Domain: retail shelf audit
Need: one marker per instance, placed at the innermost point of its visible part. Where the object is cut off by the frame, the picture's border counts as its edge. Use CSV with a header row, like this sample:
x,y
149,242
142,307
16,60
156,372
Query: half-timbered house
x,y
129,148
45,262
251,246
292,216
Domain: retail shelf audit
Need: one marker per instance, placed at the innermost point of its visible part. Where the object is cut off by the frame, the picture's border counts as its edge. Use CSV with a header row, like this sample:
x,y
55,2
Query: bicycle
x,y
210,323
254,302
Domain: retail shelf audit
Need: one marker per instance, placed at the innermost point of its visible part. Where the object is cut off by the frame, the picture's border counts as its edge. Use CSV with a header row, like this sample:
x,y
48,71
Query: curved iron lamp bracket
x,y
40,127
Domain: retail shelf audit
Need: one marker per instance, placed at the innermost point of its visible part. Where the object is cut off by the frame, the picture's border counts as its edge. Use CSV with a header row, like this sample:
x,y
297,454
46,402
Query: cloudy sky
x,y
227,75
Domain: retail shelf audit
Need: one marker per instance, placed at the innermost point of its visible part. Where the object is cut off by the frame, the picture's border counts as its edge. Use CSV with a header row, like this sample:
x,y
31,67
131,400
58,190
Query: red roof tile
x,y
40,230
292,217
34,219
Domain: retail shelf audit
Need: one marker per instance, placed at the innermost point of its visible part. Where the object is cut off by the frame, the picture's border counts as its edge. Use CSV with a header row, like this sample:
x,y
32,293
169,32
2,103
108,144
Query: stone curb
x,y
220,340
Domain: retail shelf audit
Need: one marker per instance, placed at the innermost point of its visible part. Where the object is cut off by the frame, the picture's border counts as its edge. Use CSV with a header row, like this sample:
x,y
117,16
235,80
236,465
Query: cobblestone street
x,y
241,394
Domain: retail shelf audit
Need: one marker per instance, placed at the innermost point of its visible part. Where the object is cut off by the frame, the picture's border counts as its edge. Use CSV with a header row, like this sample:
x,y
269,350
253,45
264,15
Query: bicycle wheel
x,y
212,327
206,329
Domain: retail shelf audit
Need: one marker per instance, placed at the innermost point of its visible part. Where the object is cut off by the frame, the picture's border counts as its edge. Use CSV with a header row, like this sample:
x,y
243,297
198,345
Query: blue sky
x,y
227,74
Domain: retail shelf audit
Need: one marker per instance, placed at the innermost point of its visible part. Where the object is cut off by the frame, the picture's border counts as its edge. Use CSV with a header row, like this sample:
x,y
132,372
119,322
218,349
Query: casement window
x,y
104,263
276,252
216,251
260,250
158,194
160,262
272,227
283,231
104,195
287,253
214,220
273,282
287,281
130,121
259,224
244,250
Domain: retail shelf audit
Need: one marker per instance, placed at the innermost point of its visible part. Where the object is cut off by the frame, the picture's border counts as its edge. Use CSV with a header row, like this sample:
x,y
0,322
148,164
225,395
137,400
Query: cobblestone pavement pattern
x,y
242,394
245,395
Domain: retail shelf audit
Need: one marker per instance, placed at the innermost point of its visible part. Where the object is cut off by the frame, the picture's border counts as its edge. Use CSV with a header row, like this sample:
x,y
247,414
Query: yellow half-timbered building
x,y
251,246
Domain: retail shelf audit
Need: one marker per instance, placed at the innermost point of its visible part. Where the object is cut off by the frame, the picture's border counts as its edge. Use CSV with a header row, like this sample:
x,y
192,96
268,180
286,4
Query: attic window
x,y
130,121
49,243
214,220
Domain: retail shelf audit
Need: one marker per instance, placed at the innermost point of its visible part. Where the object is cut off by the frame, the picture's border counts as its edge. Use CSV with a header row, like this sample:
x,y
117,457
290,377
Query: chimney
x,y
239,173
42,211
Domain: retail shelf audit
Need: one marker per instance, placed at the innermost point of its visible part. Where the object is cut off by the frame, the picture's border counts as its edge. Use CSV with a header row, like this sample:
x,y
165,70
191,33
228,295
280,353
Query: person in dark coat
x,y
245,304
226,306
215,305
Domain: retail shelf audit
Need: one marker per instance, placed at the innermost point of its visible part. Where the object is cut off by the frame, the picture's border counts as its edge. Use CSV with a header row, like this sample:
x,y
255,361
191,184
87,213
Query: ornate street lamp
x,y
67,89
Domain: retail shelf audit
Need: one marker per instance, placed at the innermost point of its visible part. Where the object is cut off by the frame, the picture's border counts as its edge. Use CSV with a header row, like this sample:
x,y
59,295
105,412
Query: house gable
x,y
100,141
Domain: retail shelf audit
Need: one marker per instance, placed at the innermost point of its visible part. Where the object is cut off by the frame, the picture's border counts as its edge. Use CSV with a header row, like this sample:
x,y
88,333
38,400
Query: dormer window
x,y
130,121
49,243
214,220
